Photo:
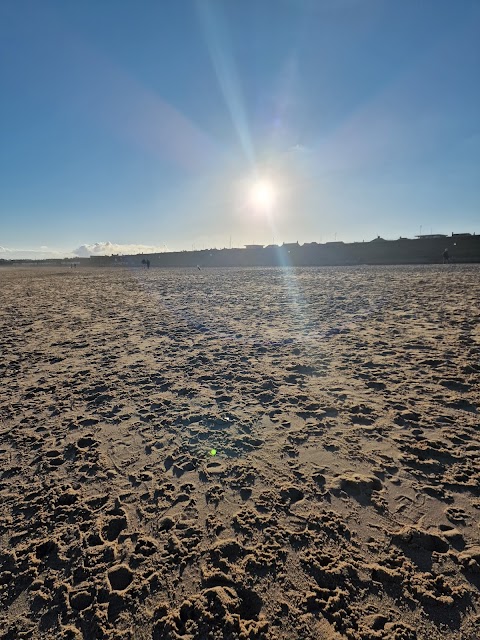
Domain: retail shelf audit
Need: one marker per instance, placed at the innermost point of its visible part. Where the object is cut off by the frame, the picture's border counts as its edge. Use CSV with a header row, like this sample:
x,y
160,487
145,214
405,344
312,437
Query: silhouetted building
x,y
431,236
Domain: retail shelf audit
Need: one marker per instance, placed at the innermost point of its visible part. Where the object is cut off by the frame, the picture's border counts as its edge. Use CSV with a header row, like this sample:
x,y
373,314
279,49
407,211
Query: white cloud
x,y
110,248
42,253
84,251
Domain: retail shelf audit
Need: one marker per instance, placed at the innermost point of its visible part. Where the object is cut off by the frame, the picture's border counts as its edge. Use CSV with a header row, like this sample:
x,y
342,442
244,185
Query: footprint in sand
x,y
457,515
358,486
113,527
54,458
86,442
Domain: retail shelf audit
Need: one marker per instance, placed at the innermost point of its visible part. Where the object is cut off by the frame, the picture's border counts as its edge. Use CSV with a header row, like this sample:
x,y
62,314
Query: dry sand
x,y
344,497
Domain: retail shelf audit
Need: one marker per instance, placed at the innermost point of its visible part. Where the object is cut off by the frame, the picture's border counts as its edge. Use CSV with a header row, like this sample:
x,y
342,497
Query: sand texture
x,y
344,497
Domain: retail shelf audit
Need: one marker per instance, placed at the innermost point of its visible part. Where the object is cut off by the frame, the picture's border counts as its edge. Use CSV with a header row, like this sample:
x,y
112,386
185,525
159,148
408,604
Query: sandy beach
x,y
226,454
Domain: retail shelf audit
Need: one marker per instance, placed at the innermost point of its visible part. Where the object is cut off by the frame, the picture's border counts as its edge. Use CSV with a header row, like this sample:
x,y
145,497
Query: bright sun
x,y
262,195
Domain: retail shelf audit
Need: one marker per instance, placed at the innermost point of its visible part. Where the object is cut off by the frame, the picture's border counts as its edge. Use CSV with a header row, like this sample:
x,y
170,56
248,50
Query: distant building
x,y
254,246
430,236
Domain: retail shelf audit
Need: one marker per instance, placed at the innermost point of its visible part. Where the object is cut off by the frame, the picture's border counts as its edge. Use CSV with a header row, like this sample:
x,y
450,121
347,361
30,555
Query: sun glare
x,y
262,195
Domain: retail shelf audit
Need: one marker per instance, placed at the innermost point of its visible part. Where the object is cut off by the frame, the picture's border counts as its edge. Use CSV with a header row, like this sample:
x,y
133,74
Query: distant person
x,y
446,257
148,264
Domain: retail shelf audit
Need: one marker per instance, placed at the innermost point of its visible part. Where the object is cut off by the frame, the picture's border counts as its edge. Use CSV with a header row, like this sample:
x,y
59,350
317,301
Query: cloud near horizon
x,y
111,248
40,253
84,251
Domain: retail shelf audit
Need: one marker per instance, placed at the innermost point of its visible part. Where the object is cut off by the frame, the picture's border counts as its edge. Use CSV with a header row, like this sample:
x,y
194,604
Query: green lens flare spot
x,y
213,452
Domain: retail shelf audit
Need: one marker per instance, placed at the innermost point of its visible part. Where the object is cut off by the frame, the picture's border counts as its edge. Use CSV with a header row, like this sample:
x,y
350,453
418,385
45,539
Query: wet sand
x,y
343,499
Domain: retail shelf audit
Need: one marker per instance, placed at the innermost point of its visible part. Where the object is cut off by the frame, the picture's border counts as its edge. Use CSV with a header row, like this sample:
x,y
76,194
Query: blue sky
x,y
146,124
